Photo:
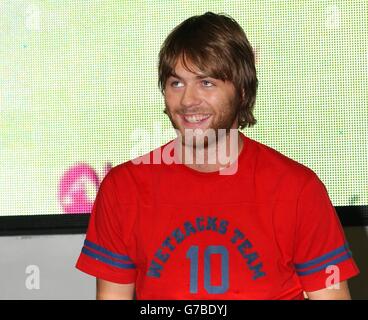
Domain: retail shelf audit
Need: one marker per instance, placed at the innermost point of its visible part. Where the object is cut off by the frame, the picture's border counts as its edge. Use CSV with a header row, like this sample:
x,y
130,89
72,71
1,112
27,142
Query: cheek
x,y
220,104
171,101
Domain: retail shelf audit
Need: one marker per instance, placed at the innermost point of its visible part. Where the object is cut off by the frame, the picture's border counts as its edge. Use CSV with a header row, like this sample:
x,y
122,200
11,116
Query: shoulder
x,y
136,176
269,158
142,166
278,170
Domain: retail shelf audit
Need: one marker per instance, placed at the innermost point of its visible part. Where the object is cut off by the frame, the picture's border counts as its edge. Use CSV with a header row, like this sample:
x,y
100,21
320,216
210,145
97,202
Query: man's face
x,y
196,101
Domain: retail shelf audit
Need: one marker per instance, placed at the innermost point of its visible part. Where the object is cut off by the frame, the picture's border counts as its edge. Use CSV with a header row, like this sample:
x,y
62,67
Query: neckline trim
x,y
216,173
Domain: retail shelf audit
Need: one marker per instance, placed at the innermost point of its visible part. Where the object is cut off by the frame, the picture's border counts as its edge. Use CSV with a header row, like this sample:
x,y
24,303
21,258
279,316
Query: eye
x,y
176,84
207,83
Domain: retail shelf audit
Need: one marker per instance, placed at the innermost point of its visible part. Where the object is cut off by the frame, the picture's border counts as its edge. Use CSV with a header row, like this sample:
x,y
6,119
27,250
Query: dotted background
x,y
78,84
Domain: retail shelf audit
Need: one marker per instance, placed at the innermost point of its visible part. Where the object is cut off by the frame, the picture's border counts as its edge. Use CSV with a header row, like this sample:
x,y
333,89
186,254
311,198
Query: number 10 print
x,y
192,254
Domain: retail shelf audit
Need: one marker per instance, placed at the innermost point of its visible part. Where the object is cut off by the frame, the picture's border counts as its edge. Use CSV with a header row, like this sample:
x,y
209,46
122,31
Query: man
x,y
201,224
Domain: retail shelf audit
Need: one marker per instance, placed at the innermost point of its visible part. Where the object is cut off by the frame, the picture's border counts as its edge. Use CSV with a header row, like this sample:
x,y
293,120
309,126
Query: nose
x,y
190,97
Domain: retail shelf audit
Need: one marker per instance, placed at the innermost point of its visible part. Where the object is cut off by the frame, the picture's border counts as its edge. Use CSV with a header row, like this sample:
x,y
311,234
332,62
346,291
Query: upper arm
x,y
340,291
106,290
321,256
109,251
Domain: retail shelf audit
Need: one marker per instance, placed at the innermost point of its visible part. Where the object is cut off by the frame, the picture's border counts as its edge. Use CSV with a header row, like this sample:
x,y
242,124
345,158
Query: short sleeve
x,y
106,253
322,256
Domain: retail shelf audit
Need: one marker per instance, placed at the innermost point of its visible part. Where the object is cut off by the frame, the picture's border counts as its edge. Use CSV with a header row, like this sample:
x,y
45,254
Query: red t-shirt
x,y
269,231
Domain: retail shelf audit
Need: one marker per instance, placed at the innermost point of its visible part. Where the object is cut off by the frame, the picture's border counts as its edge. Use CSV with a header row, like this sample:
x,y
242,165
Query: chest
x,y
222,249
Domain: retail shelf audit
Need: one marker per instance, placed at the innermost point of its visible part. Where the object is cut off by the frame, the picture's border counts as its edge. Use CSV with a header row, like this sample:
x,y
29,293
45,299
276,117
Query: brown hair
x,y
218,46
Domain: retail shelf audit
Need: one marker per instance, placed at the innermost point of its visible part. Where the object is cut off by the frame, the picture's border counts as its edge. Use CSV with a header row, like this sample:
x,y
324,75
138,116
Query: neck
x,y
215,156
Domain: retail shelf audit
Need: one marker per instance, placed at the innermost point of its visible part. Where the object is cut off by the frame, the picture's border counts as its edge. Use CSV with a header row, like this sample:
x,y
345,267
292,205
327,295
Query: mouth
x,y
195,120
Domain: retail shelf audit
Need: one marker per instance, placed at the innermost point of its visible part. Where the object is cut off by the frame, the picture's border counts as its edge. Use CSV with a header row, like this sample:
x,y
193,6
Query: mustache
x,y
194,112
188,112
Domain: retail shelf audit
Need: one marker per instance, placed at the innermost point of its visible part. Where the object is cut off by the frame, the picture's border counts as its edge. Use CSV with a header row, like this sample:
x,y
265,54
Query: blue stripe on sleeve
x,y
333,262
323,258
96,247
106,260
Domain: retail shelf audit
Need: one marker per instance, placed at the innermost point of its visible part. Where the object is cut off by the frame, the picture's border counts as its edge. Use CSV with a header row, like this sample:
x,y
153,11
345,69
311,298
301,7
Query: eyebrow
x,y
199,76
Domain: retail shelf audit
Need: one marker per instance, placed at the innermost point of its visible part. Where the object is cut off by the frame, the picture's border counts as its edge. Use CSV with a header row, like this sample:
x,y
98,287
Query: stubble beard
x,y
202,139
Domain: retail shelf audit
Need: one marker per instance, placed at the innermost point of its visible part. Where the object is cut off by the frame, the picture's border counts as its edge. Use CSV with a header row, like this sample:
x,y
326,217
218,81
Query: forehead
x,y
195,66
188,69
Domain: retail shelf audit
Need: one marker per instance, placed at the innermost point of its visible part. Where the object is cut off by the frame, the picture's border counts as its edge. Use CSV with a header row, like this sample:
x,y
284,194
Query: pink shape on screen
x,y
78,188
